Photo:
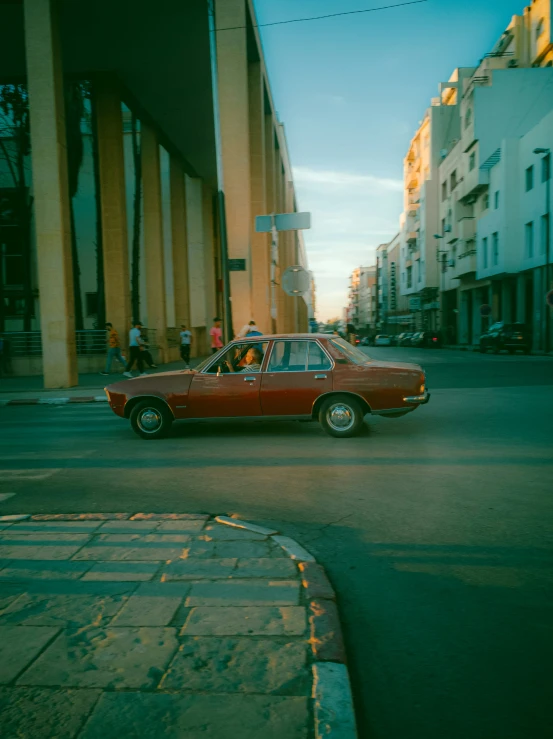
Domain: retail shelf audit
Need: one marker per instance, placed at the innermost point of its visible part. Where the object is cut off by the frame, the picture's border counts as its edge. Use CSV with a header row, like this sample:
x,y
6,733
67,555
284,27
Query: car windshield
x,y
351,352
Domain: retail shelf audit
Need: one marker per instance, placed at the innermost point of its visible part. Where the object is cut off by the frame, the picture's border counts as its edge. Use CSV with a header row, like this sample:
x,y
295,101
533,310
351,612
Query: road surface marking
x,y
5,496
25,474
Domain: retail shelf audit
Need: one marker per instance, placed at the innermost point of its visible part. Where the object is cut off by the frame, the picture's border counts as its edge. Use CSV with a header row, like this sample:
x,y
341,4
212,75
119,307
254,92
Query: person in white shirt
x,y
135,350
249,328
185,343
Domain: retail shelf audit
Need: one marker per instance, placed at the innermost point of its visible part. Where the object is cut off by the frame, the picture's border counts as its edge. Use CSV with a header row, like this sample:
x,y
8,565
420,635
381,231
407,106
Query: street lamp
x,y
438,253
545,306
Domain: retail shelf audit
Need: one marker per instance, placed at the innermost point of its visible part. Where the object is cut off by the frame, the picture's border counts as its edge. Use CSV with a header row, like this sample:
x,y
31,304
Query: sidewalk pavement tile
x,y
220,532
170,716
143,610
260,567
155,554
69,527
80,516
23,551
128,527
33,609
187,526
246,621
239,665
39,537
143,538
169,516
54,570
119,571
19,645
196,569
242,549
105,658
40,713
8,594
244,593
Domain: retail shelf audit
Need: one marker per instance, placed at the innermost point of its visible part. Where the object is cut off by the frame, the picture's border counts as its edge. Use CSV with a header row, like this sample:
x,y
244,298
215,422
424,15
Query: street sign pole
x,y
274,262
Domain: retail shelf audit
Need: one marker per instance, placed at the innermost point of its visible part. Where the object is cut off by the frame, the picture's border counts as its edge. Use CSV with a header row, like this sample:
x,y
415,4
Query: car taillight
x,y
434,339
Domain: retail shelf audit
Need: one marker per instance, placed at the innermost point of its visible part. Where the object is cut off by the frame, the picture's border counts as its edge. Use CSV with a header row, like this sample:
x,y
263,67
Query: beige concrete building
x,y
154,142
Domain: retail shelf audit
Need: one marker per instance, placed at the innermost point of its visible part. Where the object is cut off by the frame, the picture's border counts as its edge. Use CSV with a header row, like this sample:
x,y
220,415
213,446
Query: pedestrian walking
x,y
114,349
185,344
145,352
216,334
250,329
135,350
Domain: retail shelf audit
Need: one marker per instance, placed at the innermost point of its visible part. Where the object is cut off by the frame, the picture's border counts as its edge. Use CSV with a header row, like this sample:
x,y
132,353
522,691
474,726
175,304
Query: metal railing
x,y
22,343
87,341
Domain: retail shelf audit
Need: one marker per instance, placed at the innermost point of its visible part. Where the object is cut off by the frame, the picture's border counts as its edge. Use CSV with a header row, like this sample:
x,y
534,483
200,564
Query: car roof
x,y
265,337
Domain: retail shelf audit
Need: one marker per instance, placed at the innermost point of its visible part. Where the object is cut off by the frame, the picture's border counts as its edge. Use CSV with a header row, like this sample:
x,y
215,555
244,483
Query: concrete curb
x,y
55,401
333,712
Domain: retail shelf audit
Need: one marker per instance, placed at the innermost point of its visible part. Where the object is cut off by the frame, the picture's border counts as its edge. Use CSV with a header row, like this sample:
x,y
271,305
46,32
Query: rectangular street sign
x,y
283,222
237,265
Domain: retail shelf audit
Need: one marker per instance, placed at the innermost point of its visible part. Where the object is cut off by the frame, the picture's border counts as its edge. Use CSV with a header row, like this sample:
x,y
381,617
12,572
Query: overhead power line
x,y
323,17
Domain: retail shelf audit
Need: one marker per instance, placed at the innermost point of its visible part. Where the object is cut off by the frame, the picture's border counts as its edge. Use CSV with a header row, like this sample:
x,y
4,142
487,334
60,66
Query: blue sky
x,y
351,92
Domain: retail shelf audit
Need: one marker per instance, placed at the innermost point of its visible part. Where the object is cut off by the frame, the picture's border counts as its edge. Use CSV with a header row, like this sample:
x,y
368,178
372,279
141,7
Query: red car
x,y
304,377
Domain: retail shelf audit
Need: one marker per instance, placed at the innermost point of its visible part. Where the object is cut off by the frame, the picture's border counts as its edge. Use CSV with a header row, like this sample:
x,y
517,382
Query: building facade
x,y
362,299
476,223
393,314
130,182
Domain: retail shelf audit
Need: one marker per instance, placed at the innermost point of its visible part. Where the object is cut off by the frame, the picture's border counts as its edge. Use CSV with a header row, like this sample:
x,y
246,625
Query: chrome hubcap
x,y
340,417
149,420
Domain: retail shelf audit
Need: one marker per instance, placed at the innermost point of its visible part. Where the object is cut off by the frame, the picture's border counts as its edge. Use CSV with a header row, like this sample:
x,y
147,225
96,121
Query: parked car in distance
x,y
426,339
509,336
382,340
301,377
365,341
404,339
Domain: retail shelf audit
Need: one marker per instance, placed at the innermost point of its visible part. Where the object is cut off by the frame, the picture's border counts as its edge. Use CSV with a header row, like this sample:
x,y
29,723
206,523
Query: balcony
x,y
466,228
466,262
412,237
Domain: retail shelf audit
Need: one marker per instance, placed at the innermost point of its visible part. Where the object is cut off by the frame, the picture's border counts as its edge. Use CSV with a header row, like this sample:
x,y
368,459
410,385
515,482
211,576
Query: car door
x,y
225,395
297,373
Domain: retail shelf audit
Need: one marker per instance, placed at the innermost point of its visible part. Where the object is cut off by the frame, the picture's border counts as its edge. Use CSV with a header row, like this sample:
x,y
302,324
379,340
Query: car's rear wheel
x,y
151,419
341,416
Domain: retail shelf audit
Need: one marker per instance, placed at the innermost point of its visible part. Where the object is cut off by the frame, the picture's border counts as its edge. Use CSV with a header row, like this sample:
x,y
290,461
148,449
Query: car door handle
x,y
249,379
320,377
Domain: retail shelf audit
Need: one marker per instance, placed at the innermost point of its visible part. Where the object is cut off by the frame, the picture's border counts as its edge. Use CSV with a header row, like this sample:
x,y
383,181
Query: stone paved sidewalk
x,y
176,625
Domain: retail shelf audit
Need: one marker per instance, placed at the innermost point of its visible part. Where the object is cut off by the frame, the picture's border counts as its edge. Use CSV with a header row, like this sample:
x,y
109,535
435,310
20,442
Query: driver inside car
x,y
252,361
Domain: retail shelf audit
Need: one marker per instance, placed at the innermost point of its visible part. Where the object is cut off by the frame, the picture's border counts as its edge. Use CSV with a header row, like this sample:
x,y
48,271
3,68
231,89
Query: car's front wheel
x,y
341,416
151,419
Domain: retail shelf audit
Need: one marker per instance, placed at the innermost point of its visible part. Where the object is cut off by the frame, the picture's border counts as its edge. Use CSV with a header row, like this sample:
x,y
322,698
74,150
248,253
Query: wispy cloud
x,y
307,175
351,214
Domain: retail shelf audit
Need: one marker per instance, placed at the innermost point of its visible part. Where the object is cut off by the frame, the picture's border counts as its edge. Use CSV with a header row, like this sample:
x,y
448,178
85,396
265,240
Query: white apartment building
x,y
362,307
491,187
393,307
457,239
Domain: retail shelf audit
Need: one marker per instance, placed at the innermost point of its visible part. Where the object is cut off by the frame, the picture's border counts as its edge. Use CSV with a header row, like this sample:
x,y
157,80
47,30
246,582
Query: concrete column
x,y
270,199
521,298
51,194
280,294
210,294
196,265
260,243
153,238
232,70
113,203
180,244
505,298
465,297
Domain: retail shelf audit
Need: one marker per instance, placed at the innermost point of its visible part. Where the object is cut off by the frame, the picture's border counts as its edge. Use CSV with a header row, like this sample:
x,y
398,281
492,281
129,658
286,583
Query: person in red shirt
x,y
216,334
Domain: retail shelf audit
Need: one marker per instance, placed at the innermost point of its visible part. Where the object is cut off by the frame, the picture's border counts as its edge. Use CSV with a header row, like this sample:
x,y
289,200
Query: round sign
x,y
549,298
485,310
296,281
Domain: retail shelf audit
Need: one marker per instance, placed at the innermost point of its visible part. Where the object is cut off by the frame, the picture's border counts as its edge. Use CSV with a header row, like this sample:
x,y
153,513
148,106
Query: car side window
x,y
317,359
288,356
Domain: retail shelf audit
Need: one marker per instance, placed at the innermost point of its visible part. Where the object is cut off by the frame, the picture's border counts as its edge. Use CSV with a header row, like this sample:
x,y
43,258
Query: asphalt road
x,y
436,528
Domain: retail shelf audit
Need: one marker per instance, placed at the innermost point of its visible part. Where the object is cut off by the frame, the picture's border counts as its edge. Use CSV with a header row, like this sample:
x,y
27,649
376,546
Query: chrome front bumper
x,y
417,399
